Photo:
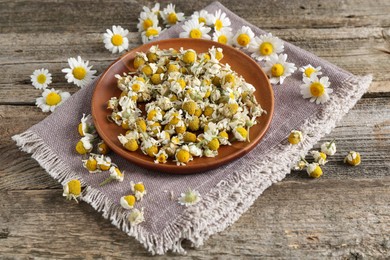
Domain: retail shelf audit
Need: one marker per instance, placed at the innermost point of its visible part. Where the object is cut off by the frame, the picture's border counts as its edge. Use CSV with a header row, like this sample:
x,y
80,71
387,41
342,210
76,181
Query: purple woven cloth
x,y
226,192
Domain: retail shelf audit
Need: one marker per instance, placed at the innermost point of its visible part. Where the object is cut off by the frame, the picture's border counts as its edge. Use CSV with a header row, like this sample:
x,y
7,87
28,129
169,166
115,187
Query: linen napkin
x,y
226,192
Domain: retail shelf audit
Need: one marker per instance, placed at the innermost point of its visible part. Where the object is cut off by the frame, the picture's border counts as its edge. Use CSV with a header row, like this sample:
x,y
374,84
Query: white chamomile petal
x,y
193,29
116,40
189,198
41,78
136,217
316,89
243,37
220,20
203,17
170,16
329,148
79,72
224,36
309,70
51,99
278,69
264,46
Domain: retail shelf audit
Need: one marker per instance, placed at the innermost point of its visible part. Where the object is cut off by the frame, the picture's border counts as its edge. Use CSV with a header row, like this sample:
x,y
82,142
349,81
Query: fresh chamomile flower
x,y
319,157
128,202
170,16
86,125
79,72
316,89
295,137
85,144
115,174
150,34
219,20
138,189
264,46
147,20
278,69
309,70
116,40
329,148
51,99
193,29
41,78
203,17
72,190
136,217
353,158
224,36
314,170
189,198
243,37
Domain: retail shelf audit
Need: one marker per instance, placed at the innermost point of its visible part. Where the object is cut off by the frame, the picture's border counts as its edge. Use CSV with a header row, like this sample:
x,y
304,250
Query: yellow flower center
x,y
189,137
219,55
152,151
79,73
266,48
309,71
317,89
172,18
202,20
151,32
139,187
316,173
223,134
208,111
147,23
162,158
323,156
277,70
243,39
41,78
80,129
130,199
118,172
80,148
151,115
91,164
104,167
182,83
218,25
213,144
183,156
242,131
190,107
222,39
131,145
195,33
117,39
74,187
136,87
189,57
53,99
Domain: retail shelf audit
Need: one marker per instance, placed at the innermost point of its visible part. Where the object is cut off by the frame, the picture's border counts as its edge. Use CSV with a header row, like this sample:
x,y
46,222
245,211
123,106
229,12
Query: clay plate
x,y
240,62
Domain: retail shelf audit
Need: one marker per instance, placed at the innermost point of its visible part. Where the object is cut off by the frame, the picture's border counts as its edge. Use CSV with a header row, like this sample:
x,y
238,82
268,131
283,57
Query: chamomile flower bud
x,y
295,137
329,148
72,190
353,158
314,170
190,197
136,217
128,202
138,189
319,157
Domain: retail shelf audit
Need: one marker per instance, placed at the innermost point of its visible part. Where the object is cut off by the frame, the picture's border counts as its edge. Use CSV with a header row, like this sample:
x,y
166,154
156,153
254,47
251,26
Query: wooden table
x,y
345,214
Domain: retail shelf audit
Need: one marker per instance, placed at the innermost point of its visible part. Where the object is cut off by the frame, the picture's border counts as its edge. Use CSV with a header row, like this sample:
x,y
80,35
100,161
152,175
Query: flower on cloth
x,y
41,78
91,164
329,148
79,72
85,144
203,17
314,170
224,36
170,16
147,20
136,217
189,198
116,40
86,125
103,148
138,189
264,46
295,137
220,20
194,29
319,157
353,158
115,174
316,89
243,37
72,190
103,162
278,69
128,202
309,70
51,99
150,34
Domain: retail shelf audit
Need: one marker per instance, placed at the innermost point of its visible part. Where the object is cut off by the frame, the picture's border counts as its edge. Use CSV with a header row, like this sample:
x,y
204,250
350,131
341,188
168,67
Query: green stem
x,y
330,144
108,180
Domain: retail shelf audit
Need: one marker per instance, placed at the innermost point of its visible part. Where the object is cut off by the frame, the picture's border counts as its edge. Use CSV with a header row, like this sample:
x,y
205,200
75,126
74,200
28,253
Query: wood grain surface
x,y
343,215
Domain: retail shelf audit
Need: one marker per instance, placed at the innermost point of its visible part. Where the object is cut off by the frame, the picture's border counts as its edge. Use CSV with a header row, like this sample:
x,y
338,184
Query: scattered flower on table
x,y
51,99
79,72
309,70
353,158
86,125
295,137
203,17
138,189
72,190
85,145
314,170
136,217
150,34
103,148
128,202
116,40
115,174
300,165
329,148
189,198
193,29
319,157
278,69
220,20
243,37
263,46
170,16
147,20
317,89
41,78
224,36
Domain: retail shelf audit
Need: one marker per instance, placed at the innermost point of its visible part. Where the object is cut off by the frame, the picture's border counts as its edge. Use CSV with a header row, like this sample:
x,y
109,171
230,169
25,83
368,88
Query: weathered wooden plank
x,y
292,219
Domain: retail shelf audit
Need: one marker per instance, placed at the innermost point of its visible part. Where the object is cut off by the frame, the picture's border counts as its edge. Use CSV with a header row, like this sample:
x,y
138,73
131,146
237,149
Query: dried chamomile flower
x,y
138,189
115,174
224,36
103,148
128,202
316,89
309,70
314,170
243,37
183,155
86,126
41,78
116,40
295,137
319,157
329,148
72,190
240,133
136,217
161,156
170,16
103,162
220,20
79,72
278,69
91,164
189,198
353,158
203,17
300,165
85,144
193,29
264,46
51,99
